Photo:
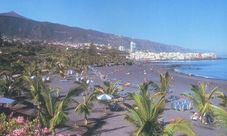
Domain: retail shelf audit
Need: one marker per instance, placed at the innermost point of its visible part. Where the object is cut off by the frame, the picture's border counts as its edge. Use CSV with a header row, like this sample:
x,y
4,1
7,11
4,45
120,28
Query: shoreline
x,y
220,58
175,66
199,76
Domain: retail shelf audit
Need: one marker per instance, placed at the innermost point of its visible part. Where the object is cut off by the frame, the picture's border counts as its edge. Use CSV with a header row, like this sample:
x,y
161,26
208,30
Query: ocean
x,y
204,68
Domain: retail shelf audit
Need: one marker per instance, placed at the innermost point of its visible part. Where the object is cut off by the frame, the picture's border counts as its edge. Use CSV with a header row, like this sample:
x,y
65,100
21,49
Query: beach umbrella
x,y
6,100
104,97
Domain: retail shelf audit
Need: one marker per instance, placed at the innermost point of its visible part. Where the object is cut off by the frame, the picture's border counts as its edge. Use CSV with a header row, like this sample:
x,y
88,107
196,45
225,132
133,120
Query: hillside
x,y
12,24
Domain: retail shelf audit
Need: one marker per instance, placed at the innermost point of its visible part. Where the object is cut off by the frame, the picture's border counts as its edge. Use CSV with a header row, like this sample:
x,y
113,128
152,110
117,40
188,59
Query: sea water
x,y
204,68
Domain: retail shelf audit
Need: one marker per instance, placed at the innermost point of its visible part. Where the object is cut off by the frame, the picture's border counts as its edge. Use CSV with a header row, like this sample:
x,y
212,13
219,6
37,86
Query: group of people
x,y
196,117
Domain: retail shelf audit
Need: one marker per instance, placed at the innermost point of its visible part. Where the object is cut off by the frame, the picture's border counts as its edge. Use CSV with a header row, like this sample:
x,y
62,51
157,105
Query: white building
x,y
121,48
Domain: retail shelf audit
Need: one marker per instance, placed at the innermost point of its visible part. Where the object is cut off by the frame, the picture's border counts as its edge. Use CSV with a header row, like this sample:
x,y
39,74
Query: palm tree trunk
x,y
39,118
105,107
53,132
85,120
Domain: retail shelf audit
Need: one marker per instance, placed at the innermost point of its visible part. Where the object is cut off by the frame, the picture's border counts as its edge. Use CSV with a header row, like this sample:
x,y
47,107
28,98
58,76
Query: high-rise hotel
x,y
132,47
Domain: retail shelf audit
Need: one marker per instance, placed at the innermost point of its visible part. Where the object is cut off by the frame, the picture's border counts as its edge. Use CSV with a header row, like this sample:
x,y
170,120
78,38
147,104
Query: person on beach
x,y
145,79
171,86
127,84
195,116
172,78
207,85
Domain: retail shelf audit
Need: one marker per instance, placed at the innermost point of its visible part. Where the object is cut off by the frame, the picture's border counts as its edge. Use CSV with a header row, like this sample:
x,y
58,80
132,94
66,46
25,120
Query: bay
x,y
204,68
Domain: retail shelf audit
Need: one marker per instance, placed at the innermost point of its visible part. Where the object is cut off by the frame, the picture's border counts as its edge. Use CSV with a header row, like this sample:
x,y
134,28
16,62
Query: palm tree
x,y
85,107
69,59
10,85
50,111
202,101
6,83
18,65
61,69
164,85
145,117
36,87
50,64
109,88
144,88
58,110
84,84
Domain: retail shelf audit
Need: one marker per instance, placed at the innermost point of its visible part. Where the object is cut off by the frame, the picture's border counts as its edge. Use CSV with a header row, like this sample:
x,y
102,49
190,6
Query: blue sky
x,y
193,24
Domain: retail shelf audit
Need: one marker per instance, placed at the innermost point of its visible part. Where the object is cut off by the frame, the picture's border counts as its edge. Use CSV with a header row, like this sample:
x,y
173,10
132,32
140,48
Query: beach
x,y
113,123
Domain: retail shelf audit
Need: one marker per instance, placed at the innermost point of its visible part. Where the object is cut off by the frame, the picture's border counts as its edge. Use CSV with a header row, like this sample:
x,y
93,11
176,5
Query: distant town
x,y
151,56
133,52
140,55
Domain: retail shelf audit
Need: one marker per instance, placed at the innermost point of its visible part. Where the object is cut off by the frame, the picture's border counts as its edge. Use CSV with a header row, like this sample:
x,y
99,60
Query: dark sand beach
x,y
113,123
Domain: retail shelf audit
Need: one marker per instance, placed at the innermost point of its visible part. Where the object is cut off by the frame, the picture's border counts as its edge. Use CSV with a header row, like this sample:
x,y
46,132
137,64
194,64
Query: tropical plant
x,y
18,66
85,107
68,59
13,125
58,111
148,111
50,111
36,88
144,88
220,115
6,83
202,101
50,65
84,84
109,88
21,127
61,69
145,116
164,83
10,86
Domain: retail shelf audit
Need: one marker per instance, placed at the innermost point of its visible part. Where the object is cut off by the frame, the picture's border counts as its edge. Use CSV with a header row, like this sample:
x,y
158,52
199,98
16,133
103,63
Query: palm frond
x,y
220,116
212,92
110,88
222,97
50,103
6,72
179,125
74,91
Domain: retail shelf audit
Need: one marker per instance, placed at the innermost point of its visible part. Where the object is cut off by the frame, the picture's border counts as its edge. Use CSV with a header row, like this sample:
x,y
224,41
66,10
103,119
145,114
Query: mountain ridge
x,y
13,24
14,14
